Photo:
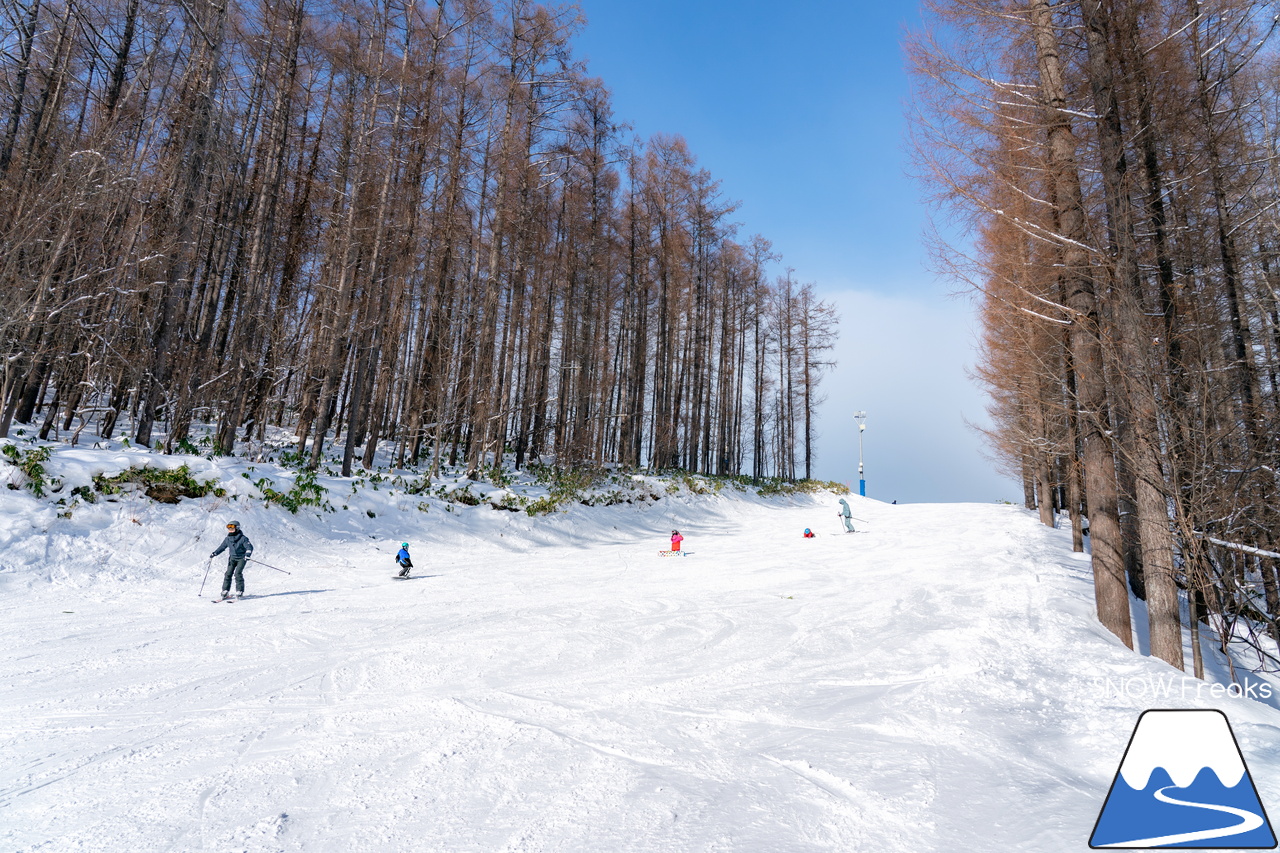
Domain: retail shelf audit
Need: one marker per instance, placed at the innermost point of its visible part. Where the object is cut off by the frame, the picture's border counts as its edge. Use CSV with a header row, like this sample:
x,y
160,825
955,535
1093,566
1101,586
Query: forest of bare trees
x,y
1113,168
372,221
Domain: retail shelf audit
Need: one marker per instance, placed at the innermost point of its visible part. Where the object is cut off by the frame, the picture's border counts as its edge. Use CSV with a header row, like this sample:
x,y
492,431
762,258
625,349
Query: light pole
x,y
861,418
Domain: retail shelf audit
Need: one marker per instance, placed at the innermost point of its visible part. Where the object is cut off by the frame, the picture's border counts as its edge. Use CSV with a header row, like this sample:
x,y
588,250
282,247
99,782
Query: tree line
x,y
1113,169
406,221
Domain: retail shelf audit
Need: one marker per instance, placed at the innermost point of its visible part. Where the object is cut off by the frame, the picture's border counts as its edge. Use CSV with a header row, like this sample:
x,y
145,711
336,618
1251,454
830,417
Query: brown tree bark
x,y
1111,594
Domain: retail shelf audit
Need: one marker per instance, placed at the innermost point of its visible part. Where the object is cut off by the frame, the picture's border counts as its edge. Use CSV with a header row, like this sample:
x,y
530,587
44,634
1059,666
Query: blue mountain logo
x,y
1183,783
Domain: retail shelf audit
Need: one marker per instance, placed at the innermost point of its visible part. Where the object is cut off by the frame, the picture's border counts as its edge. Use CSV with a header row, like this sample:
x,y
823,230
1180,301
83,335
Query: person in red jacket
x,y
676,539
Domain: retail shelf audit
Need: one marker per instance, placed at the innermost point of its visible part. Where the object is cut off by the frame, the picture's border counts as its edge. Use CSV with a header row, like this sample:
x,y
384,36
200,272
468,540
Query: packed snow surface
x,y
934,682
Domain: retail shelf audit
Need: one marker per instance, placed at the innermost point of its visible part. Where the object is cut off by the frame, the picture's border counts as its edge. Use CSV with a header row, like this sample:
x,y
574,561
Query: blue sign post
x,y
861,418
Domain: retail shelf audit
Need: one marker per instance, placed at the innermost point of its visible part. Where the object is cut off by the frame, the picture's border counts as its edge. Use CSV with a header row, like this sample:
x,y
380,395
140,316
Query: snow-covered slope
x,y
936,683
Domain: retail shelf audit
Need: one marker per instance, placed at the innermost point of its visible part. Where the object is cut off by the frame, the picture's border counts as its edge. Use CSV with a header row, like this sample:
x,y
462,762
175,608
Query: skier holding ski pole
x,y
207,567
239,549
269,566
846,515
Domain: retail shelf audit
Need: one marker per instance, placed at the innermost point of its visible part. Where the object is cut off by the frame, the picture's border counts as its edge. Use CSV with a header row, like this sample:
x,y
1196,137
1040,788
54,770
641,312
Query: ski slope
x,y
936,683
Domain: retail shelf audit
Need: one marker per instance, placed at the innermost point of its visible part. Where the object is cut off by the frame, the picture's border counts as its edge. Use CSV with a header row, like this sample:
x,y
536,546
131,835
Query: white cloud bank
x,y
902,360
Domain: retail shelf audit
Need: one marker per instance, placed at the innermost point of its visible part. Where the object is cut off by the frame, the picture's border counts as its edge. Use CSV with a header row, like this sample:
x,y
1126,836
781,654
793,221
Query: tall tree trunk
x,y
1136,373
1110,591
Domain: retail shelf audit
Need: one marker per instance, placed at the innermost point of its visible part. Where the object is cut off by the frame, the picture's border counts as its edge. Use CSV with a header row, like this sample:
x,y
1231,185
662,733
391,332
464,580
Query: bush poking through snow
x,y
160,484
465,496
542,506
304,492
564,484
775,486
31,464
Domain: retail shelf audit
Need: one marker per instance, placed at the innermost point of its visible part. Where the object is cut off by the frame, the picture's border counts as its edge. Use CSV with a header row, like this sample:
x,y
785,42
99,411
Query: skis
x,y
402,577
228,599
671,553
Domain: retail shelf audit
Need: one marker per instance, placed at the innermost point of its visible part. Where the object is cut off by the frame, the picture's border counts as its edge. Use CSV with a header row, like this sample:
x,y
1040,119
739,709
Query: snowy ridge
x,y
937,683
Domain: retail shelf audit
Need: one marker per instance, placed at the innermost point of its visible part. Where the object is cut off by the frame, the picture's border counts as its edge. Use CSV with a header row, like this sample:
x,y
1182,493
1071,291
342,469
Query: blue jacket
x,y
241,547
403,558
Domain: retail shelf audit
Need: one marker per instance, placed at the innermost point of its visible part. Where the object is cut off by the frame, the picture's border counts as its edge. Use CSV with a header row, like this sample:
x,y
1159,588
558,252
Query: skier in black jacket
x,y
239,549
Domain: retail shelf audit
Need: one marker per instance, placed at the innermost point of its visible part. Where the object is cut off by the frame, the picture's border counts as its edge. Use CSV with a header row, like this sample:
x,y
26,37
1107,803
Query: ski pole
x,y
207,567
260,563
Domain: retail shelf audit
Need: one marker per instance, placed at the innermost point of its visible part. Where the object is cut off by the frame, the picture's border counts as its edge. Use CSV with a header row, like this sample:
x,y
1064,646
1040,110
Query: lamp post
x,y
861,418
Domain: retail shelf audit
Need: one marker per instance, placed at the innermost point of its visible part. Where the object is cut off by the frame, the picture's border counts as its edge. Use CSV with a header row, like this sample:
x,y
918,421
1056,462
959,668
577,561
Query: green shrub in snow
x,y
160,484
304,492
777,486
464,496
31,464
541,506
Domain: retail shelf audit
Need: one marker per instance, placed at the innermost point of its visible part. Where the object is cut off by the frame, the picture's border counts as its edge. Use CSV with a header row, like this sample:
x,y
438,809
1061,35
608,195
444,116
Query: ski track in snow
x,y
555,685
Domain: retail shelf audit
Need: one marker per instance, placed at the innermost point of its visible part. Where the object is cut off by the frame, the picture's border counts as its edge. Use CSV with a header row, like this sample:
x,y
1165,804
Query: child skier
x,y
239,549
676,539
808,534
847,516
403,560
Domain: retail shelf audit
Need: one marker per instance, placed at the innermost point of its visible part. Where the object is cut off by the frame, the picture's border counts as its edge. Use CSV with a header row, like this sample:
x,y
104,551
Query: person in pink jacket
x,y
676,539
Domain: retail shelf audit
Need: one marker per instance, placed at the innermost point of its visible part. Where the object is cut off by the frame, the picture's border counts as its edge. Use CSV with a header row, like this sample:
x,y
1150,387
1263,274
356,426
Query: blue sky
x,y
798,109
